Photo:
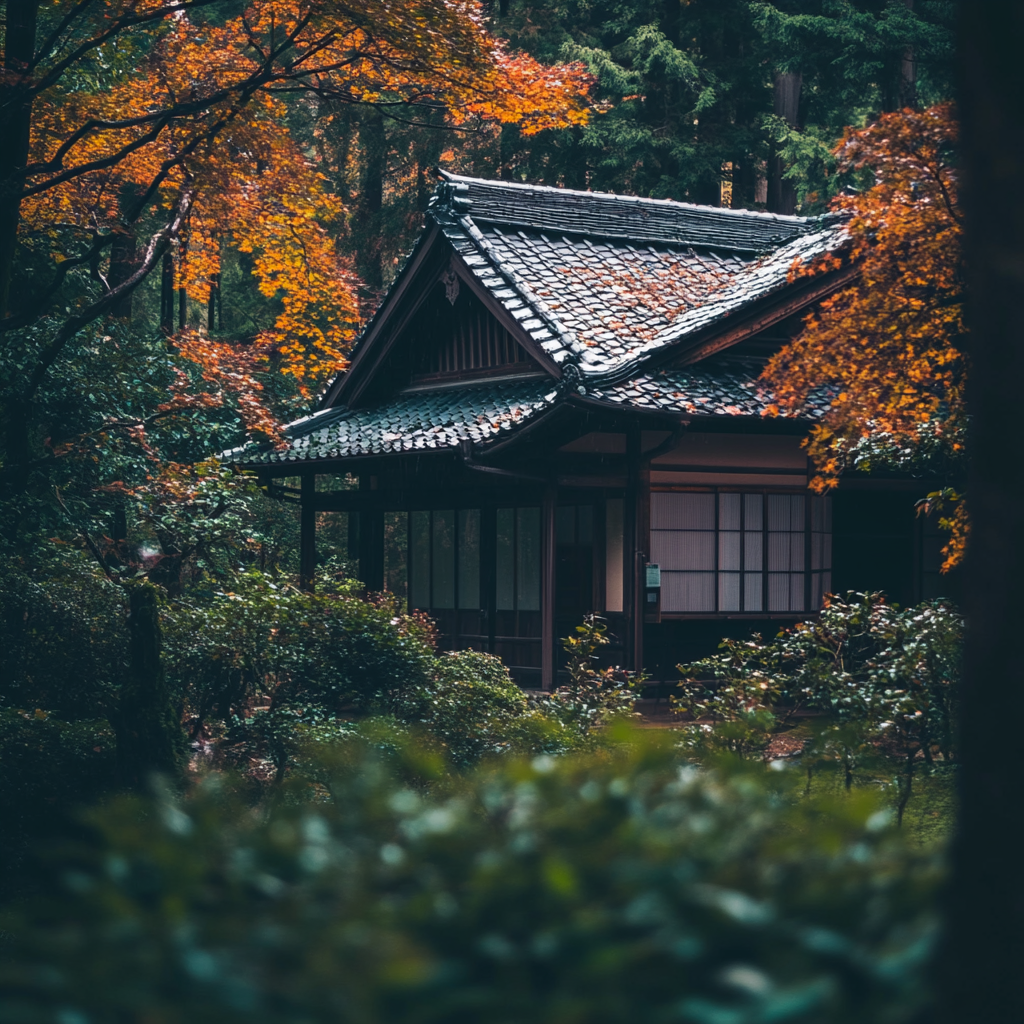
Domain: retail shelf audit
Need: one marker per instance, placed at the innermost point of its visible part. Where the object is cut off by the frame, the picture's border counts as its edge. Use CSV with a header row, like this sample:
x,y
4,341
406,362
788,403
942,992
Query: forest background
x,y
203,203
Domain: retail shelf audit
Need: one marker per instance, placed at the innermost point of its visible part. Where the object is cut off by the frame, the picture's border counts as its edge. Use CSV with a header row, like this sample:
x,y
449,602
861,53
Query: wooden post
x,y
547,594
307,532
632,594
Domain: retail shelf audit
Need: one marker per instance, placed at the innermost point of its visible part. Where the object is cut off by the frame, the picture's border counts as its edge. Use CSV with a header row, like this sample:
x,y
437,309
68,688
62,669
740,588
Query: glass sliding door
x,y
517,591
444,574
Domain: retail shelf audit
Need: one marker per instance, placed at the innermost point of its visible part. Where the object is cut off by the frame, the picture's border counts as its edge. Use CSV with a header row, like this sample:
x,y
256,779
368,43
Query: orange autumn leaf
x,y
891,343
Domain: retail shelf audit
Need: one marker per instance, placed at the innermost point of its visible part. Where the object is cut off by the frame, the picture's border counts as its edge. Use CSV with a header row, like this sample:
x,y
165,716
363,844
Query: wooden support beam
x,y
632,514
307,532
547,597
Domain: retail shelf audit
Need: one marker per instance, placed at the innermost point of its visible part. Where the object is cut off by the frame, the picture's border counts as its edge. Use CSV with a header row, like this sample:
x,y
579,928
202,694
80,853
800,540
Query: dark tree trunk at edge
x,y
979,971
150,739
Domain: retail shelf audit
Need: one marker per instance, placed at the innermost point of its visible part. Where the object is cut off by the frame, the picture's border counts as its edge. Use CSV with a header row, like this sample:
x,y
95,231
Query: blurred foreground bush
x,y
617,885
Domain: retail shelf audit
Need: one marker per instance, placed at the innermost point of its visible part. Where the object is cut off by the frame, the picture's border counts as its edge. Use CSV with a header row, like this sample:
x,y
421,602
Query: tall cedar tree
x,y
711,101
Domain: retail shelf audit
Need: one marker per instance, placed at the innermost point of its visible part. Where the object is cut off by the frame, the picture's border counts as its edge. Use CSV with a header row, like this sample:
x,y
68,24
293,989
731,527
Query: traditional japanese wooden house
x,y
556,410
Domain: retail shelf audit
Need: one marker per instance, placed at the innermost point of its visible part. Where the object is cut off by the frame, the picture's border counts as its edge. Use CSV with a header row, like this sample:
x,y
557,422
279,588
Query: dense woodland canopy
x,y
201,202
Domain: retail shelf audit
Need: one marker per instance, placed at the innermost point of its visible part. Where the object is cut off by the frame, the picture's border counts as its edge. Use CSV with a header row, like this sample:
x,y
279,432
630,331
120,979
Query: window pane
x,y
753,506
729,511
443,557
419,544
613,555
815,590
506,572
752,597
796,592
469,558
585,532
779,513
796,551
528,559
682,511
688,591
778,550
816,545
729,591
798,519
778,591
729,551
753,551
827,553
565,524
683,549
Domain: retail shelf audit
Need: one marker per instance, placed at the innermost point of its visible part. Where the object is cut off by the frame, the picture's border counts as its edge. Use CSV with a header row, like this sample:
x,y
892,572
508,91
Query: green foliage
x,y
265,641
883,677
473,709
51,766
63,635
593,697
612,886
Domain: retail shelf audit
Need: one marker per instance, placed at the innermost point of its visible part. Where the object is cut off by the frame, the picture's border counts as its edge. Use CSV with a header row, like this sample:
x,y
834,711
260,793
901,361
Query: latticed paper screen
x,y
731,552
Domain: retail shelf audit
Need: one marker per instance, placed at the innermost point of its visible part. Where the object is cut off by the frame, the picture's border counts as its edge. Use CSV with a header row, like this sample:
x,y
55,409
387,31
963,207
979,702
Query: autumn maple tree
x,y
890,344
151,135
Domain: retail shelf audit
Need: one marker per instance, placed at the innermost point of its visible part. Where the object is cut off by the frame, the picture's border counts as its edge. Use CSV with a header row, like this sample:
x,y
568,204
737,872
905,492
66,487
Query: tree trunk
x,y
167,294
150,739
122,265
374,142
978,975
15,125
908,71
786,102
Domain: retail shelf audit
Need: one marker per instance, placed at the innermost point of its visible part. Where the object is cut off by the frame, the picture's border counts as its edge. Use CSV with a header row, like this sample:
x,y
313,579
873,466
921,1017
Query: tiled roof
x,y
593,295
705,389
415,421
629,218
434,420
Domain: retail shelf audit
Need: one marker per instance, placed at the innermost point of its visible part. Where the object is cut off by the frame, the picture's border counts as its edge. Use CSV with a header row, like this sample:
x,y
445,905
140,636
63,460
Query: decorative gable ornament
x,y
450,280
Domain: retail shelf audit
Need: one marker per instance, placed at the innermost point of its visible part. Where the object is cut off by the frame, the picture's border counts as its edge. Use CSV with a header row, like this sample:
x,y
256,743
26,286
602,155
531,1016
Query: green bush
x,y
50,768
881,679
473,709
613,886
63,635
592,697
263,642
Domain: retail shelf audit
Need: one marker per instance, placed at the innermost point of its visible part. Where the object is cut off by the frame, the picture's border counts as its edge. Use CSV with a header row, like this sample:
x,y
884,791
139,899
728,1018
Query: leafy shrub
x,y
63,635
593,697
882,677
613,886
264,641
473,709
51,766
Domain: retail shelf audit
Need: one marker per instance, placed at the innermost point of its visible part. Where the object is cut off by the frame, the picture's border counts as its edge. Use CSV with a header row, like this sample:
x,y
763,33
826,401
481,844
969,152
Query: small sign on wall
x,y
652,592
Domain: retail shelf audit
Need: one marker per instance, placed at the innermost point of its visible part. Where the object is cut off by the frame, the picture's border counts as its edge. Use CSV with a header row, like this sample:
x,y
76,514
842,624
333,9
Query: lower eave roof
x,y
486,413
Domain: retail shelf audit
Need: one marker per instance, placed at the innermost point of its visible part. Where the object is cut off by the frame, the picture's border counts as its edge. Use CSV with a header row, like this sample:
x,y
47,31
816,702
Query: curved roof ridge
x,y
633,218
620,197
